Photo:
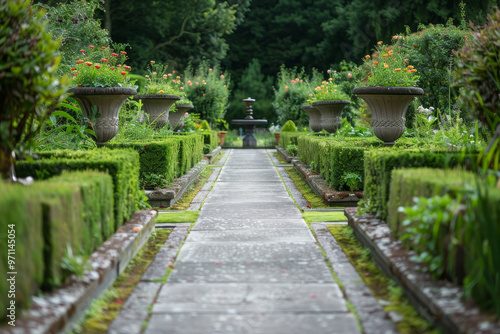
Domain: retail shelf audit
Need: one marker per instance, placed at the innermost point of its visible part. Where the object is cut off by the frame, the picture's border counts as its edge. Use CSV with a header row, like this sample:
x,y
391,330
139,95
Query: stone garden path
x,y
250,263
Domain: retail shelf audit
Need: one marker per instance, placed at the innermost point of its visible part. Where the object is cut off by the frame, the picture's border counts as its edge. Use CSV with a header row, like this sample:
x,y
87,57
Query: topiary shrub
x,y
29,88
204,125
289,126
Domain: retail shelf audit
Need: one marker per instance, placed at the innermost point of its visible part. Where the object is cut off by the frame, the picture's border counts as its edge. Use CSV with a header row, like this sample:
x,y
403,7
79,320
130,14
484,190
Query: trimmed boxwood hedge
x,y
380,163
210,141
123,166
290,138
333,156
409,183
164,159
73,210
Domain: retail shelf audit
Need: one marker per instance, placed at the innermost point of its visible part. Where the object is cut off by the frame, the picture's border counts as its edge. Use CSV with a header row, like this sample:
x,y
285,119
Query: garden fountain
x,y
249,124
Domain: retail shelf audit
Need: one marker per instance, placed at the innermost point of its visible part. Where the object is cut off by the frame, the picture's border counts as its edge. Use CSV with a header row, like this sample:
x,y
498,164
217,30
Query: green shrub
x,y
289,126
211,140
380,163
29,87
290,138
122,165
204,125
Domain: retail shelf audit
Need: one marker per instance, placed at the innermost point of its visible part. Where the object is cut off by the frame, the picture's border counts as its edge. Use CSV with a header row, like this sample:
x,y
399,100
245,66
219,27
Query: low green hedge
x,y
210,141
164,159
290,138
451,222
122,164
380,163
332,157
74,210
406,184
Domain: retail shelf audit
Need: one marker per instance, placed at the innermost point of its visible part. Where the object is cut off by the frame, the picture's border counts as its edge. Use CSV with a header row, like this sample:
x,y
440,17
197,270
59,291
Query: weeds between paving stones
x,y
178,217
314,200
102,311
382,287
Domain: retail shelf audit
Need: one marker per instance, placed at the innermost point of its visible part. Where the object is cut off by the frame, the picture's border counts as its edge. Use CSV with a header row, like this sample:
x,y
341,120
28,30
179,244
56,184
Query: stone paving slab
x,y
250,187
271,207
251,252
206,222
135,310
244,298
255,214
256,272
236,196
254,235
258,323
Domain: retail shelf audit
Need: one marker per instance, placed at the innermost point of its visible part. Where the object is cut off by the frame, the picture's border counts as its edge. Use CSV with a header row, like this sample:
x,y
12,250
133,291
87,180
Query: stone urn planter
x,y
222,136
277,136
314,118
108,101
157,107
388,106
330,113
176,116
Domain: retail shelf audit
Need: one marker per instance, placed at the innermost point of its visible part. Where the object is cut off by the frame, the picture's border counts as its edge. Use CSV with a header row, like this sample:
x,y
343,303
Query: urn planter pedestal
x,y
157,107
108,101
222,136
314,118
330,113
388,106
176,117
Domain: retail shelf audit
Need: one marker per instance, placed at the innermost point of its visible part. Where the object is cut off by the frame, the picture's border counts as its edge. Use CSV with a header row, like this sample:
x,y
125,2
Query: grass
x,y
178,217
103,310
381,286
316,217
314,200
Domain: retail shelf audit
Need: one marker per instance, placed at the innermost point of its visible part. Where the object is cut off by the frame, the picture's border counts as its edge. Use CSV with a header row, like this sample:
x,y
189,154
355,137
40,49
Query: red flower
x,y
171,266
89,123
123,72
103,47
114,54
123,52
88,63
79,85
73,68
79,61
128,68
112,68
308,205
91,46
82,50
119,65
98,66
104,60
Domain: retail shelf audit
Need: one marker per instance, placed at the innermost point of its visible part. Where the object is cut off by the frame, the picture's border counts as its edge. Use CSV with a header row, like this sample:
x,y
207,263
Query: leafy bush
x,y
289,126
205,126
160,81
292,150
430,49
477,74
292,91
208,90
29,87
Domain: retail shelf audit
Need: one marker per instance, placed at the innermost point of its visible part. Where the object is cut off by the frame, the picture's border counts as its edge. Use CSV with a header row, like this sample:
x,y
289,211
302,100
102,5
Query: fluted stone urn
x,y
157,107
108,101
176,115
314,118
388,106
330,113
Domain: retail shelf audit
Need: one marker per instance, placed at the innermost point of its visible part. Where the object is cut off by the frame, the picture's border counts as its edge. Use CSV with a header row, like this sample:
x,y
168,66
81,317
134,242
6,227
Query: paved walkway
x,y
250,263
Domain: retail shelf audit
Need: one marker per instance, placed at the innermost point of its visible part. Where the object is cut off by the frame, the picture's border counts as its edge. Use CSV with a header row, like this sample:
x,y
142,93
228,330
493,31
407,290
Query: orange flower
x,y
82,50
123,72
386,66
73,68
161,92
88,63
406,60
367,57
375,63
152,61
379,43
398,70
164,76
410,67
103,47
79,61
331,79
413,71
123,52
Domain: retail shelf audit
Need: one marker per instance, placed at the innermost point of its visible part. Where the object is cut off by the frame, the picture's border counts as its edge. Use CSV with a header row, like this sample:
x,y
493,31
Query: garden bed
x,y
57,311
320,186
438,301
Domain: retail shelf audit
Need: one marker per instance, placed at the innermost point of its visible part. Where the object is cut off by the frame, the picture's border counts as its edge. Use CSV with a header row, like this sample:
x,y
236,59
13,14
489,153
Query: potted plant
x,y
388,90
100,86
161,91
223,126
176,116
329,99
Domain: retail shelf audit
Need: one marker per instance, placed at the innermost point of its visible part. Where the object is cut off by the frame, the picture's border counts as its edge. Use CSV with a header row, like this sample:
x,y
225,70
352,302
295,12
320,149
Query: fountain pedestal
x,y
249,124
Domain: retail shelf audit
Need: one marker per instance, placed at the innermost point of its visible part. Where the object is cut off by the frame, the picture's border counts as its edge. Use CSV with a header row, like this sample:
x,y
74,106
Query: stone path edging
x,y
135,310
59,310
438,301
168,196
372,316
